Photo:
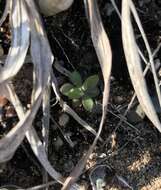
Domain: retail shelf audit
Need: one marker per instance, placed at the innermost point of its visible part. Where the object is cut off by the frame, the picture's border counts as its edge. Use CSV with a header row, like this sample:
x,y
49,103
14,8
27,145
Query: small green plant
x,y
81,93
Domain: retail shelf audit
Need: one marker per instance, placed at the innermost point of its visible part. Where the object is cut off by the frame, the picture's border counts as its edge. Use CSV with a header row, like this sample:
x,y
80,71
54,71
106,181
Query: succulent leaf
x,y
76,78
91,82
65,88
88,103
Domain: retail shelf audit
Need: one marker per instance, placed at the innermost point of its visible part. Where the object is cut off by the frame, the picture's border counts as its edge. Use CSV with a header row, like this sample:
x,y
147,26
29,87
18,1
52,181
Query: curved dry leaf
x,y
103,50
10,142
36,145
20,41
40,50
134,65
150,55
40,153
19,131
42,59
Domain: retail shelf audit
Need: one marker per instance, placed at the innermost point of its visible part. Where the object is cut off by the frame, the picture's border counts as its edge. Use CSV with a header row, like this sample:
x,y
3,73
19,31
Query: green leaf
x,y
88,103
94,92
91,82
75,93
76,78
65,88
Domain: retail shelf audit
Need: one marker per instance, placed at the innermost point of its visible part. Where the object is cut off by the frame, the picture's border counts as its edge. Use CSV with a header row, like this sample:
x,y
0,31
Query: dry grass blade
x,y
141,55
144,73
15,59
42,58
134,65
103,50
27,59
40,50
10,142
36,145
46,125
151,60
20,41
40,153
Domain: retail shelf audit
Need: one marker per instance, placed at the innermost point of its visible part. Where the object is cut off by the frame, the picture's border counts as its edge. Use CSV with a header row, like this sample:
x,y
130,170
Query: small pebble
x,y
68,166
136,115
118,99
58,143
10,112
63,119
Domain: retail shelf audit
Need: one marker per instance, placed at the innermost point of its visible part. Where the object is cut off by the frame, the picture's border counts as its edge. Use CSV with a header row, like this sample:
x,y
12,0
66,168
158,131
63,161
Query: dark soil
x,y
134,151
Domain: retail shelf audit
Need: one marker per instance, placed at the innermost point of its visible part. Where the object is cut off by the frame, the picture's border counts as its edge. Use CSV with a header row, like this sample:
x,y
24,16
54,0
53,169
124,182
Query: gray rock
x,y
136,115
68,166
58,143
63,119
52,7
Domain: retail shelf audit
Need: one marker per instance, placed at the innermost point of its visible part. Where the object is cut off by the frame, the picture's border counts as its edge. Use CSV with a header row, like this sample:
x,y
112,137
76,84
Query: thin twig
x,y
59,44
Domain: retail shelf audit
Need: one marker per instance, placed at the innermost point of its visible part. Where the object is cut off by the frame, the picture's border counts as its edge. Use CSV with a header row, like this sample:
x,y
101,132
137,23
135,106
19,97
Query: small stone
x,y
68,166
157,64
102,155
63,119
52,7
109,9
29,106
140,112
58,143
10,112
4,124
118,99
141,3
84,185
2,167
136,115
